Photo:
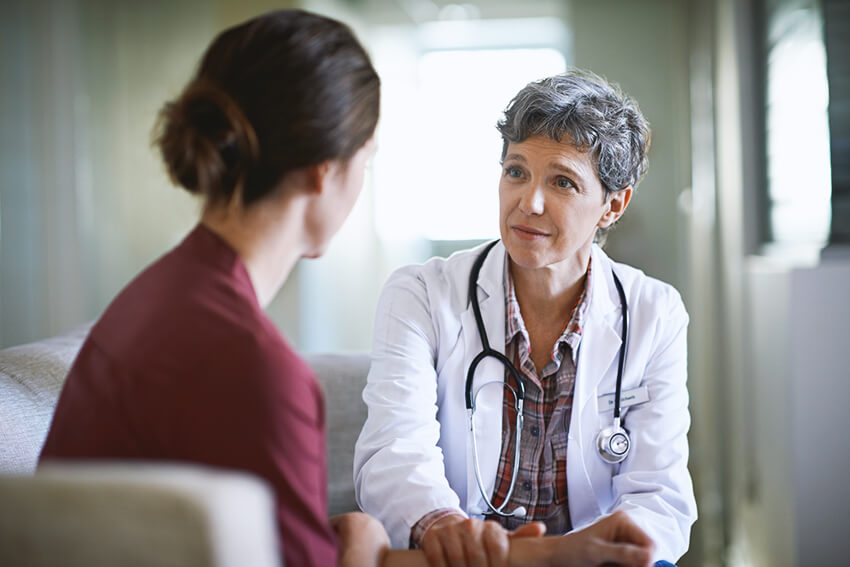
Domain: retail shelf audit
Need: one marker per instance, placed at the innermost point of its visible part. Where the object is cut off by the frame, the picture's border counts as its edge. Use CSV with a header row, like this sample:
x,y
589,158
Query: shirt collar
x,y
572,332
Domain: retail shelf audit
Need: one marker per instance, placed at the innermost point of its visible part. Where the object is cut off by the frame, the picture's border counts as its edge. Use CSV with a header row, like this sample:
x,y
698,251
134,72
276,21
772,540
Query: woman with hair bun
x,y
274,133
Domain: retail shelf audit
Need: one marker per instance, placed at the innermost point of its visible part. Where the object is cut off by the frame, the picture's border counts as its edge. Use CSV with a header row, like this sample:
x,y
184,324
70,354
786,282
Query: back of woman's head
x,y
282,91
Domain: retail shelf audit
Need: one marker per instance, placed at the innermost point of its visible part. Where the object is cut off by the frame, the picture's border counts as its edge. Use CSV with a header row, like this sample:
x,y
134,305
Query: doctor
x,y
578,406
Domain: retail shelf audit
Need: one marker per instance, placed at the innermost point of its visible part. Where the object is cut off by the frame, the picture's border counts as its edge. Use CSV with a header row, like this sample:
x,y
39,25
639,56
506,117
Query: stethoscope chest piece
x,y
613,443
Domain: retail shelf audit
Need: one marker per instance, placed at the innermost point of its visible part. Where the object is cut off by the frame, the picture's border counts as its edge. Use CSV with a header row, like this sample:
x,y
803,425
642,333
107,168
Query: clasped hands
x,y
455,540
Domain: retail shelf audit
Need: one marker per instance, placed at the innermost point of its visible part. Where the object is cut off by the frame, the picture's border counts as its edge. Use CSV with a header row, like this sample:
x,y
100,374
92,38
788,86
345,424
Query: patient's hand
x,y
455,540
362,539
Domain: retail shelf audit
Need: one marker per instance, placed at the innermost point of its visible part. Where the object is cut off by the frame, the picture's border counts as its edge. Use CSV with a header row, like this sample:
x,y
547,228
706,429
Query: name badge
x,y
627,398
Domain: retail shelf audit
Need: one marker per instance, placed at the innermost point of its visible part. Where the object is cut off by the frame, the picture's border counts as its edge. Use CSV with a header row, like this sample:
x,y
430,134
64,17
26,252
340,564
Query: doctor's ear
x,y
616,204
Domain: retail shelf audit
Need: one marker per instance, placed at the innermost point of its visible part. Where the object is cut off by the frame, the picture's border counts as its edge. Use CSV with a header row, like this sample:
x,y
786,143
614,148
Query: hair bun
x,y
206,141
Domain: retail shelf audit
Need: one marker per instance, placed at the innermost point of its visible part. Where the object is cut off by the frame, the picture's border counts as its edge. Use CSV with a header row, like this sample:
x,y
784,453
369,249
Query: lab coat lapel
x,y
600,338
488,417
599,347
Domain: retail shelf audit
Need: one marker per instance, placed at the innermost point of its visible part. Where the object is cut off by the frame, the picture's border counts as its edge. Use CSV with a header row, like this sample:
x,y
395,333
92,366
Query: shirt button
x,y
535,431
526,485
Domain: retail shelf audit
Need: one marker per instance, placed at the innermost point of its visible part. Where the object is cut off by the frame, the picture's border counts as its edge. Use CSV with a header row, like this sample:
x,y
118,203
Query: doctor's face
x,y
551,202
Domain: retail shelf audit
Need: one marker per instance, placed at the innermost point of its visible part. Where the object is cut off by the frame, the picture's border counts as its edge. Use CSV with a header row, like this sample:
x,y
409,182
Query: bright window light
x,y
437,170
799,177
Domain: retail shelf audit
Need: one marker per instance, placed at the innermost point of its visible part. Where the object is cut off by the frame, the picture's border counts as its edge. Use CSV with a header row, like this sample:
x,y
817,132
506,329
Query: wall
x,y
84,200
799,508
778,333
643,46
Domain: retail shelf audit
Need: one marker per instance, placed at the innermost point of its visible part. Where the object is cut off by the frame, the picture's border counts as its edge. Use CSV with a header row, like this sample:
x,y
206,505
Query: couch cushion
x,y
149,515
31,377
343,377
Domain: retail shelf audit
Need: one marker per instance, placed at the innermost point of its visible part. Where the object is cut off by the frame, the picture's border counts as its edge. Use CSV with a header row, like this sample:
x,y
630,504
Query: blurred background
x,y
745,209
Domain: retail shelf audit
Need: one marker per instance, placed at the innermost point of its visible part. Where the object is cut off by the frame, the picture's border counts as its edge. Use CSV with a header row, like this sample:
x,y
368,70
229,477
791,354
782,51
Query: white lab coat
x,y
414,453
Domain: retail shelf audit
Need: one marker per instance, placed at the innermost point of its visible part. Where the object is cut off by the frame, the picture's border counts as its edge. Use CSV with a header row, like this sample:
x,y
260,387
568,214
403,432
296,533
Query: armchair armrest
x,y
146,514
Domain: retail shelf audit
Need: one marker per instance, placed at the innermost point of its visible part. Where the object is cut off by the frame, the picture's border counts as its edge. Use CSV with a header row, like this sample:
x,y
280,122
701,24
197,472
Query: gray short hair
x,y
595,115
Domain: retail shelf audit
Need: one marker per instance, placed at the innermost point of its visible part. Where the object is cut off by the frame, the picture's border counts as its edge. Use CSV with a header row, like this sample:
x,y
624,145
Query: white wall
x,y
798,510
84,200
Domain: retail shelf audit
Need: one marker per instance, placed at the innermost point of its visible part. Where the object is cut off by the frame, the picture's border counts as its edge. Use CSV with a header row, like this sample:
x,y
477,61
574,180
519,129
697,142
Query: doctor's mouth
x,y
529,233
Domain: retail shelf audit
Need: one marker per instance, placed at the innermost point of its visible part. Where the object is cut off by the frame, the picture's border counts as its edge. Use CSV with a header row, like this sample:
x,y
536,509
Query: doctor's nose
x,y
531,200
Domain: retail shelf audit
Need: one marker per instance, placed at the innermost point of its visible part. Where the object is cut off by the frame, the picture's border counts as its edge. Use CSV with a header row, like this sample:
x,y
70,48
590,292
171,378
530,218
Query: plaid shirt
x,y
541,484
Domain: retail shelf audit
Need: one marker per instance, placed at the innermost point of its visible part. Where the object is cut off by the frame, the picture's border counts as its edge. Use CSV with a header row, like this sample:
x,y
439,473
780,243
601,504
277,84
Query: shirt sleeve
x,y
428,520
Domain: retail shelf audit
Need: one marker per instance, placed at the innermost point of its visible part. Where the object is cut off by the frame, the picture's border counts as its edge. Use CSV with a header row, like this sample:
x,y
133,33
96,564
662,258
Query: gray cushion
x,y
343,377
31,377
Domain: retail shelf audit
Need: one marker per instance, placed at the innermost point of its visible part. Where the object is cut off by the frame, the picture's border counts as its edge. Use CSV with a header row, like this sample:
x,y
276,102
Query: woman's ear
x,y
616,206
316,177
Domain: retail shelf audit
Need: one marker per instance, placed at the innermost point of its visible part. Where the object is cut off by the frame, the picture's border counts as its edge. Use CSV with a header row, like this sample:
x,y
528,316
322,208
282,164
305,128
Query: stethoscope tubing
x,y
622,362
519,393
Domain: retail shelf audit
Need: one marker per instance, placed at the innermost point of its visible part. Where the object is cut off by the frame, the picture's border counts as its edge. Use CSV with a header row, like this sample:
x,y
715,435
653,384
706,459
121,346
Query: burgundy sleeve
x,y
264,415
299,455
280,428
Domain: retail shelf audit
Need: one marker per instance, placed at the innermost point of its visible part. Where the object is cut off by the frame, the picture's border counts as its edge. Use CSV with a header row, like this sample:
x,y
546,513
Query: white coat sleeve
x,y
653,484
399,474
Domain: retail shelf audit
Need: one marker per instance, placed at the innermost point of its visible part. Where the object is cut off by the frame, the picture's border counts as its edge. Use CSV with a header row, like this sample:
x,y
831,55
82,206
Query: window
x,y
798,157
445,85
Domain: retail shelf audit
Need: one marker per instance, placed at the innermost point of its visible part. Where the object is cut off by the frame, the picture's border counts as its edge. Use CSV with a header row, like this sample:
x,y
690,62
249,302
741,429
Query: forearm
x,y
614,539
524,552
403,558
528,552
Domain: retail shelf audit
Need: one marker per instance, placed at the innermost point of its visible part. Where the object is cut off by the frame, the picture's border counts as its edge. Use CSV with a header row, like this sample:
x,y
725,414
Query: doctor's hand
x,y
457,541
613,539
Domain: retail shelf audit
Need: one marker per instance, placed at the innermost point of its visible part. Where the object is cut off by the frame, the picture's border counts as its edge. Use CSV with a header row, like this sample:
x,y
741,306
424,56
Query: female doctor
x,y
534,379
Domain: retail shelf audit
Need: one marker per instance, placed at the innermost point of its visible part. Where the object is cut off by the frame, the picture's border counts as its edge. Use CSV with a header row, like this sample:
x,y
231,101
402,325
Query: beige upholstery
x,y
31,377
101,514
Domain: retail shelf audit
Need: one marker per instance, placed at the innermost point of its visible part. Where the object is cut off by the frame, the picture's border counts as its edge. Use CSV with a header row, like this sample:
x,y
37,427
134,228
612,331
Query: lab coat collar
x,y
490,280
604,298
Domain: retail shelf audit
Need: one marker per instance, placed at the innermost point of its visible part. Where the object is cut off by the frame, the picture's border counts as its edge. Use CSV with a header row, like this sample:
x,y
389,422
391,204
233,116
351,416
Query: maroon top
x,y
185,366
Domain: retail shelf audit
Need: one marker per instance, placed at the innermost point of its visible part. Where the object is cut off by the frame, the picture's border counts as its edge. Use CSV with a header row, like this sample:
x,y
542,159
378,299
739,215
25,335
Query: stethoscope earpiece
x,y
520,512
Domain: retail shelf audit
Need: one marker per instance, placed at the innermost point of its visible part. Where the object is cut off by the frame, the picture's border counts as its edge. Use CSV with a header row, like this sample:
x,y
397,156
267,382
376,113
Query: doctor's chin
x,y
382,282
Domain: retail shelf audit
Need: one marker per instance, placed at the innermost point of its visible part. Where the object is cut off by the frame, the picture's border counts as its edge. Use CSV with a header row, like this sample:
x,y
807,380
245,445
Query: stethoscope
x,y
612,443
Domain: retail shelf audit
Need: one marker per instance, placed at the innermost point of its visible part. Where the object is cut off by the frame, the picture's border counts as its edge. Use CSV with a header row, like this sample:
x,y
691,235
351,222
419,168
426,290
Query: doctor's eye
x,y
513,171
564,182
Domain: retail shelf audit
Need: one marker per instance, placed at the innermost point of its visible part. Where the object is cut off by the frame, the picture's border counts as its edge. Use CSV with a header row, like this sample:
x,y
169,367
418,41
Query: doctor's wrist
x,y
429,520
